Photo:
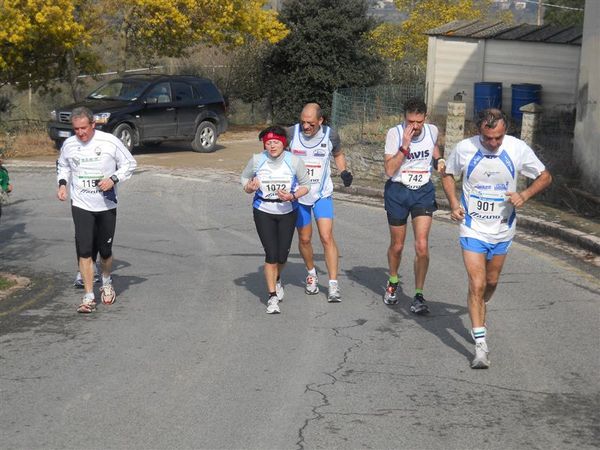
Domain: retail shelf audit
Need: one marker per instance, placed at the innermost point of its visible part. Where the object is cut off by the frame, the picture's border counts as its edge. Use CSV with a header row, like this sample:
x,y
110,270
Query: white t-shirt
x,y
415,170
487,176
286,172
83,165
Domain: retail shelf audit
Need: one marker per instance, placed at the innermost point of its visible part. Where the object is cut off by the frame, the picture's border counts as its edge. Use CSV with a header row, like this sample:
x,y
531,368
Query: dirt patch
x,y
20,283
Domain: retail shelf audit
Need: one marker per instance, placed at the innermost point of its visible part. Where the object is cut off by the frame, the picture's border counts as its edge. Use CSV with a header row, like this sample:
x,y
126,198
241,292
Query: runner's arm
x,y
449,185
518,199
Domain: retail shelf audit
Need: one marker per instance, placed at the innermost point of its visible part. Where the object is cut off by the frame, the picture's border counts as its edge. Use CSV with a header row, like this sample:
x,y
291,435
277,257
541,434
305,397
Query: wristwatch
x,y
114,179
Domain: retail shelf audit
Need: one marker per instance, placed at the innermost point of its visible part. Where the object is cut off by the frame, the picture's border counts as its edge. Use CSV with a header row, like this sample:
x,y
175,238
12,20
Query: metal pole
x,y
539,13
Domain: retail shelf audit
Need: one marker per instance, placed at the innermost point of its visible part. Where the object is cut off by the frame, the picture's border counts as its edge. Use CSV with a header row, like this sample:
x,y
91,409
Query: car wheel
x,y
125,134
205,140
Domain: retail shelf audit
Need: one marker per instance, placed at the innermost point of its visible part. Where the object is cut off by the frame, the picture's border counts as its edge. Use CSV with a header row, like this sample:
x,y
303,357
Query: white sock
x,y
312,271
89,296
333,283
106,280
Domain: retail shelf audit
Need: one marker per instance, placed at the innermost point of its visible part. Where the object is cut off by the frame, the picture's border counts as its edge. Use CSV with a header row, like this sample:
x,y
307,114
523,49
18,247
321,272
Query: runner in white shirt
x,y
410,149
92,162
278,179
316,144
489,165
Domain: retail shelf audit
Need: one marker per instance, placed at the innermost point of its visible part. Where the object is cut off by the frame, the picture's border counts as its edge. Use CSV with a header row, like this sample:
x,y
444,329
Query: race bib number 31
x,y
314,169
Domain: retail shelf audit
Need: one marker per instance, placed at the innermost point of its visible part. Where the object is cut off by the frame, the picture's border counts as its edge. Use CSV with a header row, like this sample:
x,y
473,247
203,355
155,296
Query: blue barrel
x,y
488,94
523,94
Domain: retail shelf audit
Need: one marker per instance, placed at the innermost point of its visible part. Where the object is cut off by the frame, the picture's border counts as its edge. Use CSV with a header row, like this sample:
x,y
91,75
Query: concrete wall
x,y
455,64
587,128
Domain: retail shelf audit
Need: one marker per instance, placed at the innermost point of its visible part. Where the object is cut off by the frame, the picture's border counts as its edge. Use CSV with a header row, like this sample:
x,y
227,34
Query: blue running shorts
x,y
491,250
401,201
322,209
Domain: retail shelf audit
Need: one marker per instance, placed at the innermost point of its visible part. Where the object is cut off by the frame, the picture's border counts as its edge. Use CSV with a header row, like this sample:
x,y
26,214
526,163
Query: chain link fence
x,y
363,115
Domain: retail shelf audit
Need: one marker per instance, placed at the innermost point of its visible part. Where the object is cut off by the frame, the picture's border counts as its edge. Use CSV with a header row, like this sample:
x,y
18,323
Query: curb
x,y
582,240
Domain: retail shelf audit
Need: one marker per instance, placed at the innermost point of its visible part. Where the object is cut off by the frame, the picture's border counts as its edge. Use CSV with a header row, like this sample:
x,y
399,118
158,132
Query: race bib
x,y
270,186
88,181
414,179
489,211
314,169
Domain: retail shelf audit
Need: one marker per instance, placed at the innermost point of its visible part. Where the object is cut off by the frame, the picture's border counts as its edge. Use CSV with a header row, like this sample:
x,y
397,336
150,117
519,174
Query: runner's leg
x,y
421,227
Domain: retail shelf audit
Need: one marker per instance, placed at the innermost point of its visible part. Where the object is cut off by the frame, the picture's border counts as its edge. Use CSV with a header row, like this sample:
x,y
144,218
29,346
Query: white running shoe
x,y
481,360
311,287
107,294
78,283
279,290
334,294
273,305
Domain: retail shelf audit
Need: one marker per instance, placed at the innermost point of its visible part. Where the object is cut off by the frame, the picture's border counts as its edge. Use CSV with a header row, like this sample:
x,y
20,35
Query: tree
x,y
563,16
326,49
37,40
408,41
148,29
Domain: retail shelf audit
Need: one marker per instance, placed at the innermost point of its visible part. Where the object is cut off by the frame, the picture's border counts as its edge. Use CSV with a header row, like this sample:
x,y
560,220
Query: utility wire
x,y
550,5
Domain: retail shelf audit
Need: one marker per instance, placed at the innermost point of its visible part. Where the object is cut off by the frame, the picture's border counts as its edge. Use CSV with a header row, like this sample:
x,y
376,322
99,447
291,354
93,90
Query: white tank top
x,y
316,157
415,170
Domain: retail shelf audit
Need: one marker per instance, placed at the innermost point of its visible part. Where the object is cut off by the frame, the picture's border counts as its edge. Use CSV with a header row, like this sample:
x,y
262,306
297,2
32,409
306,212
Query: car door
x,y
159,117
187,103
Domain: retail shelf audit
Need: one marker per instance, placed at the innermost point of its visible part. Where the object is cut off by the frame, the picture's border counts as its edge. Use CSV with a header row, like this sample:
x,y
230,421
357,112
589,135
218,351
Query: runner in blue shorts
x,y
410,149
489,165
316,144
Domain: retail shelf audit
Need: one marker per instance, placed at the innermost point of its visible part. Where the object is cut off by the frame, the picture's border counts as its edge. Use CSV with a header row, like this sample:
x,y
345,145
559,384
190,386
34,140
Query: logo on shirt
x,y
300,152
98,151
421,154
319,153
323,145
482,187
489,173
501,186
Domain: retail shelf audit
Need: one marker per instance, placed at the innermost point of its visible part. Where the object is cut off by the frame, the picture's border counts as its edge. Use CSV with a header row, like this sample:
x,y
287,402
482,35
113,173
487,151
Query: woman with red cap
x,y
277,179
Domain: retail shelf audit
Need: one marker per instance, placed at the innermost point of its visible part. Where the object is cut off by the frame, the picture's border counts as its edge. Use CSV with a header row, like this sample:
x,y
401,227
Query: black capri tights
x,y
276,232
94,230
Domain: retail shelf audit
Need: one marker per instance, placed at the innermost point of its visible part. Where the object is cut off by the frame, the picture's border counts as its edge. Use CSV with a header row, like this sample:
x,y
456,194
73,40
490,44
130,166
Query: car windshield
x,y
120,90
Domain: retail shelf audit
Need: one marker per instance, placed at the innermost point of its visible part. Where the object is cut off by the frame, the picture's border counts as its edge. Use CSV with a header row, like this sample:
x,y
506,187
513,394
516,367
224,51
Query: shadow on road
x,y
444,321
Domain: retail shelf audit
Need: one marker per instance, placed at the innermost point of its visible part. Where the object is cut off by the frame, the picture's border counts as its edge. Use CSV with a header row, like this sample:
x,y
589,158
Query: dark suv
x,y
149,109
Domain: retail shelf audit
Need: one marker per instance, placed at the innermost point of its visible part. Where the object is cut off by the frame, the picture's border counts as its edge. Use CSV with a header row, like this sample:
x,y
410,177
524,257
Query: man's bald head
x,y
311,119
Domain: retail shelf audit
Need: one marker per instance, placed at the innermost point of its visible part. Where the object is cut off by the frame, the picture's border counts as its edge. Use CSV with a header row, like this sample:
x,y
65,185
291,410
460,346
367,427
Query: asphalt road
x,y
187,357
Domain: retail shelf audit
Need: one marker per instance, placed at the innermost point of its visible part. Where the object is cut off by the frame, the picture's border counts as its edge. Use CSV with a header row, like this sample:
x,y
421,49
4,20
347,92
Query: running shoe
x,y
273,305
279,290
418,305
389,297
311,287
78,283
481,360
334,294
87,306
107,294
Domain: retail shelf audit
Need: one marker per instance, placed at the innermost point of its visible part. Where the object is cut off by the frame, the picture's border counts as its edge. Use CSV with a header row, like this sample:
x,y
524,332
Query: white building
x,y
587,127
462,53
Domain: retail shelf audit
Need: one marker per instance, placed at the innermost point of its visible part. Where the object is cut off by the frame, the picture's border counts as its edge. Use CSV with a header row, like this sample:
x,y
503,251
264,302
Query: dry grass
x,y
27,145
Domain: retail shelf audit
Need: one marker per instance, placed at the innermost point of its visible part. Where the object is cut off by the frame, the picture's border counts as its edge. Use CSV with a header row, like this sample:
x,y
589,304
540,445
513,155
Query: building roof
x,y
482,29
